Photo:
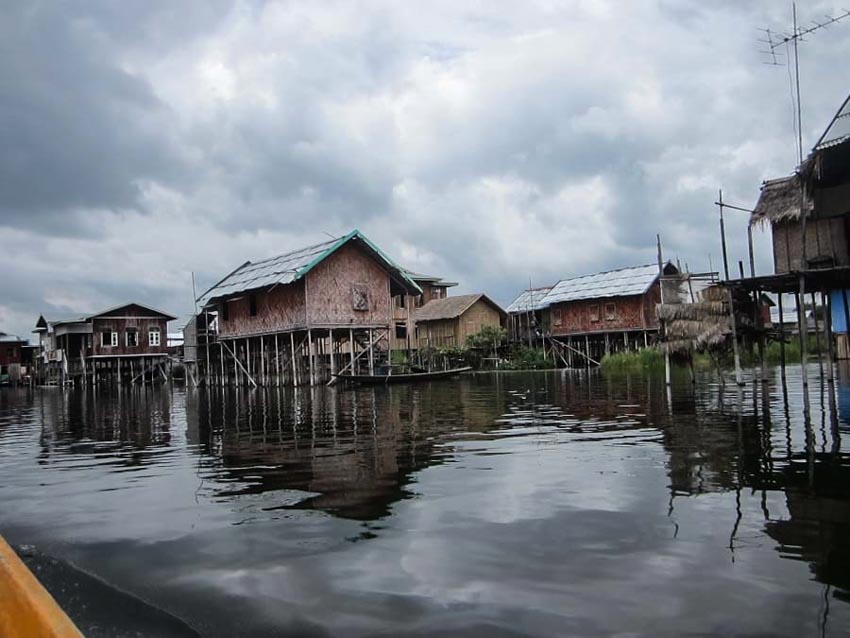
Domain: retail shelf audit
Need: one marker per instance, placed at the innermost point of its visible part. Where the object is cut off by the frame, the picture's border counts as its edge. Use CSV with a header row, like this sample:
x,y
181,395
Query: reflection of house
x,y
450,322
129,339
305,315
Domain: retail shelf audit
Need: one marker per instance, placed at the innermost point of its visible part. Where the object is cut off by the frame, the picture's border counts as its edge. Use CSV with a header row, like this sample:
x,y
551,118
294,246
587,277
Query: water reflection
x,y
579,486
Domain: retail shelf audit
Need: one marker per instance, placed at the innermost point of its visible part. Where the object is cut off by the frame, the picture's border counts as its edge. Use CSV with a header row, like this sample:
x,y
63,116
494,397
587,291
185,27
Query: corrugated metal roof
x,y
4,338
289,267
838,130
450,307
623,282
529,300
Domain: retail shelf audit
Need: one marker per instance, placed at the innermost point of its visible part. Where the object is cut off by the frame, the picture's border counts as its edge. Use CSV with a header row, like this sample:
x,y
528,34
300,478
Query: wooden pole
x,y
817,332
830,373
333,353
351,349
310,361
276,360
761,337
263,360
750,248
723,238
781,340
738,376
292,354
371,355
223,374
667,371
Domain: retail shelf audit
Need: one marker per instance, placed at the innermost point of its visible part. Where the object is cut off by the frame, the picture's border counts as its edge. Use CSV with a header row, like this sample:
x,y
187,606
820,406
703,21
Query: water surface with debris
x,y
513,504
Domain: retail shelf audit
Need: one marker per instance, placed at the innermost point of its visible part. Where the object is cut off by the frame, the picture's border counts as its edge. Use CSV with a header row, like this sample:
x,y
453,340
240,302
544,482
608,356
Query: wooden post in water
x,y
817,332
276,360
371,355
737,355
351,350
292,356
667,372
723,237
781,340
827,324
761,336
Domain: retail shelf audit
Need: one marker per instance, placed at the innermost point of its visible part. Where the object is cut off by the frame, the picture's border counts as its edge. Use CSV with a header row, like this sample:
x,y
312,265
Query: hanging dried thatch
x,y
698,326
780,201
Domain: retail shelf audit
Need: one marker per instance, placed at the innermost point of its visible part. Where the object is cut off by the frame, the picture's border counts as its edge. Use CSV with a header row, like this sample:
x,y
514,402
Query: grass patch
x,y
643,359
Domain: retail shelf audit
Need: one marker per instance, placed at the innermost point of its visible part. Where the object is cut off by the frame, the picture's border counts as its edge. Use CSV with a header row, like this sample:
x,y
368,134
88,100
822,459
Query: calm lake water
x,y
517,504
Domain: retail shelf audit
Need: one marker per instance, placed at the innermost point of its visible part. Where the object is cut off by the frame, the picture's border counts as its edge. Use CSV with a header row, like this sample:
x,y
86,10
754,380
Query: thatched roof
x,y
780,201
451,307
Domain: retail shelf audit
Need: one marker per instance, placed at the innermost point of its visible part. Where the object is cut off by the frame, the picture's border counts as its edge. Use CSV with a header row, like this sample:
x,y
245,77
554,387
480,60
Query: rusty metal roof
x,y
623,282
290,267
529,300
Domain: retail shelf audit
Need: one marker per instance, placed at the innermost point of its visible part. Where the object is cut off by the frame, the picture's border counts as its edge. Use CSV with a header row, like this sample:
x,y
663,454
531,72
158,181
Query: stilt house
x,y
607,311
819,191
124,342
307,315
450,322
405,305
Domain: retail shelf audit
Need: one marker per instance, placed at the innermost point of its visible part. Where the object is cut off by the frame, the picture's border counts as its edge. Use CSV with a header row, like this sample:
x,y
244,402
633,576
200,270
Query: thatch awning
x,y
780,201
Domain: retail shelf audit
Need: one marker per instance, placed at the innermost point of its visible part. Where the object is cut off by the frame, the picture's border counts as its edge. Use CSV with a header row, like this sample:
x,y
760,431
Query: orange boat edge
x,y
26,607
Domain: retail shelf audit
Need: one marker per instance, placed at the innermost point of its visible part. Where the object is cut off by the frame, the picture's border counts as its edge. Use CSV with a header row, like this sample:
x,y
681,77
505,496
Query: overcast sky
x,y
487,142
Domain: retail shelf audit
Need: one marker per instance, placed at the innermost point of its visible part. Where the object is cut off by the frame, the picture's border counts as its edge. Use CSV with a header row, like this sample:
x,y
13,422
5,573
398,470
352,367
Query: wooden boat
x,y
408,377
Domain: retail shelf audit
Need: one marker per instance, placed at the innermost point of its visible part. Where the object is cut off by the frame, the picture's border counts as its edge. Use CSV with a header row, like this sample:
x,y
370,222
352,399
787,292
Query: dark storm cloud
x,y
79,132
487,143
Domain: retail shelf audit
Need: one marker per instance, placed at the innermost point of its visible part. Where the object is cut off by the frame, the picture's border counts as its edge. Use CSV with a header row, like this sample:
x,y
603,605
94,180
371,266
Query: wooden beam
x,y
239,363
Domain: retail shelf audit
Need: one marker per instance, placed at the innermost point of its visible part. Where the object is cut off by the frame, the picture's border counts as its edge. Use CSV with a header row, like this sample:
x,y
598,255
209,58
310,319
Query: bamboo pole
x,y
276,360
242,367
310,361
830,373
263,360
667,371
371,355
738,377
295,374
817,332
781,340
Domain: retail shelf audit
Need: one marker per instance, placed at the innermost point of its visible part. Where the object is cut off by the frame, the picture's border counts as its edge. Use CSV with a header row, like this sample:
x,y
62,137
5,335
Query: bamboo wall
x,y
331,288
281,309
824,238
630,313
455,332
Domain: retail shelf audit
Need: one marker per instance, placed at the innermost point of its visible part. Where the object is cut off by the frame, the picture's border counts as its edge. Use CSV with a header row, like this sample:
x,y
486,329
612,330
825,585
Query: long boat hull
x,y
384,379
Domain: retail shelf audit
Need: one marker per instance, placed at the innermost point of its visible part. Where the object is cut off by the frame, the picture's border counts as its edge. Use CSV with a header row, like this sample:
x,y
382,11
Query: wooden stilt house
x,y
126,342
305,316
809,216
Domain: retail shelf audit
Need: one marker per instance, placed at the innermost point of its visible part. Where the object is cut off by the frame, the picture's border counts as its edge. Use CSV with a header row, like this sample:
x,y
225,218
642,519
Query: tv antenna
x,y
774,40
